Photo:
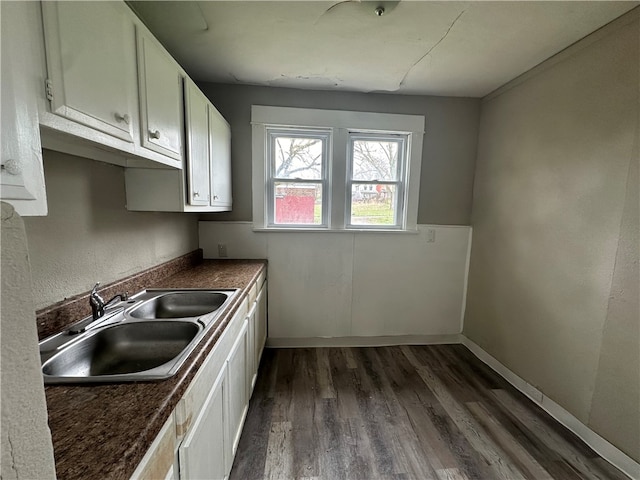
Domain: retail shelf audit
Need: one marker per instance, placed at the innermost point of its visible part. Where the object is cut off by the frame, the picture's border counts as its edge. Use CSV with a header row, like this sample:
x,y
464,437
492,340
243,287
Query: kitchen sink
x,y
124,349
147,337
180,305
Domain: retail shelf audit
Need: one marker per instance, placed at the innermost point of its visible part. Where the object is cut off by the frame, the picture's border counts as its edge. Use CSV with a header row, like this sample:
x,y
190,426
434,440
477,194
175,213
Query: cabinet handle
x,y
123,118
196,194
12,167
215,197
155,134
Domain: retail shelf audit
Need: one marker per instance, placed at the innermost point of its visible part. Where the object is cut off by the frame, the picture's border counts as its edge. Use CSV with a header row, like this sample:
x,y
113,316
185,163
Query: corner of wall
x,y
27,450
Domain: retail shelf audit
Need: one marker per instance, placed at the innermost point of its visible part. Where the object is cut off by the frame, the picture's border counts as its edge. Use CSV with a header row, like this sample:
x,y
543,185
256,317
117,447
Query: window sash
x,y
320,134
399,212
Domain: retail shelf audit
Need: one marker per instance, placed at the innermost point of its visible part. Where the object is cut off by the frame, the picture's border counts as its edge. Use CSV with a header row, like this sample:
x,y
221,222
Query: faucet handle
x,y
95,296
96,302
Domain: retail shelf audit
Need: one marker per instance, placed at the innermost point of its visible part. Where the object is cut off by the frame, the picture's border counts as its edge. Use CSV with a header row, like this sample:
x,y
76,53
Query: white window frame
x,y
321,134
400,182
340,123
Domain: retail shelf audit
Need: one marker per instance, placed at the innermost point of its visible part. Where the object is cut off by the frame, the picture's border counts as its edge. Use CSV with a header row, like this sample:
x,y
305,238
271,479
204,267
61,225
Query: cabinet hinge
x,y
49,89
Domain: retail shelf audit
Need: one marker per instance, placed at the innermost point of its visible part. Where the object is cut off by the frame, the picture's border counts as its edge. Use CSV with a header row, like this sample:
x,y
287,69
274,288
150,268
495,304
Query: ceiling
x,y
416,47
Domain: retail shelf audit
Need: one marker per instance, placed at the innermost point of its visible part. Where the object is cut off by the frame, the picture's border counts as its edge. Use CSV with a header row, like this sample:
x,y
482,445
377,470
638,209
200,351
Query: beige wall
x,y
449,152
555,218
616,400
89,235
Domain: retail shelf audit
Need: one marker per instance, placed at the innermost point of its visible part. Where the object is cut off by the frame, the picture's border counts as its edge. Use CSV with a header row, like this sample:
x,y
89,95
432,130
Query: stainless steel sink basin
x,y
147,337
125,348
180,305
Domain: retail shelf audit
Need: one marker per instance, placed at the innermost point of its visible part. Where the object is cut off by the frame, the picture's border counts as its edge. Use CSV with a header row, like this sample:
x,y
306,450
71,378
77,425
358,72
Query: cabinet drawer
x,y
261,279
158,461
255,288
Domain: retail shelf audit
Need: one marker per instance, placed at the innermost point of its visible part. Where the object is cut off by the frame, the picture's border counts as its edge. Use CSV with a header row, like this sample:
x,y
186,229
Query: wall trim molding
x,y
606,450
381,341
248,222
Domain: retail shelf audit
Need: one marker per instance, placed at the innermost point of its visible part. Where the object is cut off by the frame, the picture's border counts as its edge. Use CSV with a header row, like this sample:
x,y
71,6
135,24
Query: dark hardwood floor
x,y
427,412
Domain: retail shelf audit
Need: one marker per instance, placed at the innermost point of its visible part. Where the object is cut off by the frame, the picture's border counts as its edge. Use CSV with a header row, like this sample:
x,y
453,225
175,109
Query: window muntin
x,y
376,180
298,162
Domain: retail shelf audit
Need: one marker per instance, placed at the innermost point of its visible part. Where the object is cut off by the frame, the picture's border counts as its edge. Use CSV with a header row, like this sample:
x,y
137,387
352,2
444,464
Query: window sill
x,y
329,230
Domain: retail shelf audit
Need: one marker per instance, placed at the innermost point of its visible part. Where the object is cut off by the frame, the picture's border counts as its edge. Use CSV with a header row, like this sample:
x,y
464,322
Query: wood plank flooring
x,y
426,412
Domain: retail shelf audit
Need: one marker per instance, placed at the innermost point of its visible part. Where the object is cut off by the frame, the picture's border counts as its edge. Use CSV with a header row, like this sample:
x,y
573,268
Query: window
x,y
335,170
297,179
376,180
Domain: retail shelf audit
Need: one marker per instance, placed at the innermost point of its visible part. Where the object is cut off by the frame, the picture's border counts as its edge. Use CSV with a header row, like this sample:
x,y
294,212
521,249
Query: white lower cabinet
x,y
251,334
261,326
200,439
202,453
238,374
159,461
257,322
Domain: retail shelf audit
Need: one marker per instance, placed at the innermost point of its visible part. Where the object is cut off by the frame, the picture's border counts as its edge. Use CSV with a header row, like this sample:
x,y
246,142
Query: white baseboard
x,y
384,341
605,449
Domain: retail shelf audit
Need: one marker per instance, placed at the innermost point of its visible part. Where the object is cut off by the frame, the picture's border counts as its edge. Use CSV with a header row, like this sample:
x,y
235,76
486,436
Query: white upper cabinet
x,y
204,184
21,172
160,83
197,123
88,78
90,65
94,100
220,153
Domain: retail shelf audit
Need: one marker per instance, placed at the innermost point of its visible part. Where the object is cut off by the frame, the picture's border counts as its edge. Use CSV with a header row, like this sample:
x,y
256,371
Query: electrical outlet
x,y
431,235
222,249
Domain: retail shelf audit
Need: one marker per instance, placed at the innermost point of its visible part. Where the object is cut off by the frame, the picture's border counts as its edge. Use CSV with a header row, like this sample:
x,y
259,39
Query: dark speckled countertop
x,y
103,431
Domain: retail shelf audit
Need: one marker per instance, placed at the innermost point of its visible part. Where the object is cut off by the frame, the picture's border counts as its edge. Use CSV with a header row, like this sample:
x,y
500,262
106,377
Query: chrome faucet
x,y
98,307
97,303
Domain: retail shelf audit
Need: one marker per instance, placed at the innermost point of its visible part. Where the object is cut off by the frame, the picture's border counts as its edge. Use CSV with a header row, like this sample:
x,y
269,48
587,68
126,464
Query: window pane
x,y
297,203
373,204
375,160
296,157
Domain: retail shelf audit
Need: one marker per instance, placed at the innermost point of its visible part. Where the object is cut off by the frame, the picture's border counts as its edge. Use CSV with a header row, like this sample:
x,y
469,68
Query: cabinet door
x,y
238,387
203,453
160,98
21,171
252,365
90,48
220,148
261,323
197,117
